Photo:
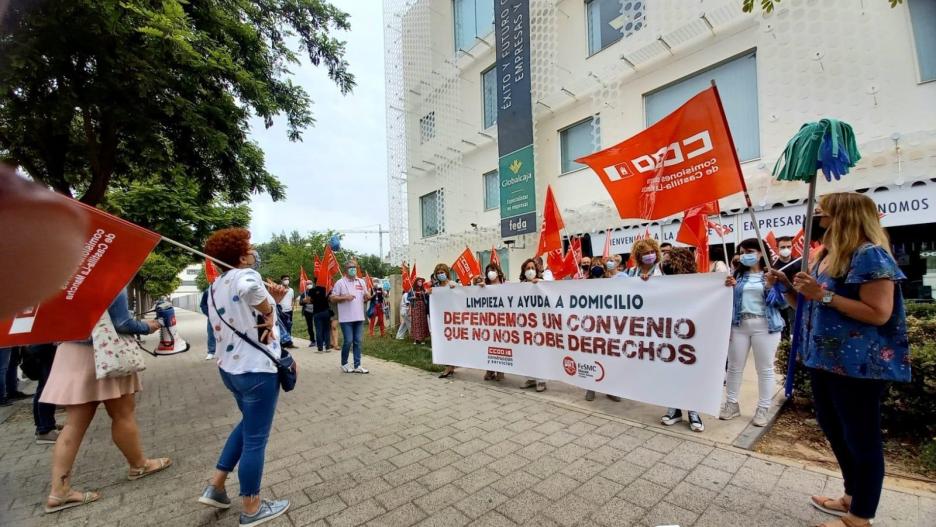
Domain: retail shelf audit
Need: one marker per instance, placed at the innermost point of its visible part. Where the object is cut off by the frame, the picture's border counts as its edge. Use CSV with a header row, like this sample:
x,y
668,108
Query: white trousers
x,y
404,327
752,334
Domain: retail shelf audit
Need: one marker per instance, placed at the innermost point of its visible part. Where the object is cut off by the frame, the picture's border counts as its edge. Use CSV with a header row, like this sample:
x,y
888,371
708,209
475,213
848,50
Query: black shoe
x,y
17,395
673,416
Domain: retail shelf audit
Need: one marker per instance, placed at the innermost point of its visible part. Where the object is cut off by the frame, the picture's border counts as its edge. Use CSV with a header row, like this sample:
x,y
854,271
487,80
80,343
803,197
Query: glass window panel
x,y
491,190
489,96
923,20
575,142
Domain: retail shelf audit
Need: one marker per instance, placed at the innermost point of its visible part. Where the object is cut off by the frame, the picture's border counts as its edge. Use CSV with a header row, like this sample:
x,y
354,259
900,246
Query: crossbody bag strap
x,y
241,334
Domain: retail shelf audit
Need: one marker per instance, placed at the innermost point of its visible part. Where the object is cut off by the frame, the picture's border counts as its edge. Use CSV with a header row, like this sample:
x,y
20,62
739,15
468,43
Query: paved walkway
x,y
400,447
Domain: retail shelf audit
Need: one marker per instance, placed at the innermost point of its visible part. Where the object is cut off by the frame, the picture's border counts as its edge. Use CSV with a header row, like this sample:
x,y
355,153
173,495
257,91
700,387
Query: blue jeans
x,y
8,380
352,332
322,321
256,395
849,412
284,330
212,344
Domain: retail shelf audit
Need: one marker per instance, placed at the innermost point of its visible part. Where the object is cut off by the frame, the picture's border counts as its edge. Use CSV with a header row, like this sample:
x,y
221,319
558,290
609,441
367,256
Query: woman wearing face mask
x,y
646,256
530,274
493,275
611,266
756,325
440,278
419,311
853,343
598,270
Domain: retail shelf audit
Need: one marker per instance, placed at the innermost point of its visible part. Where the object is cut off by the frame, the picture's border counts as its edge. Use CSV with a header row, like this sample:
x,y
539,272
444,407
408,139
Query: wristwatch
x,y
827,297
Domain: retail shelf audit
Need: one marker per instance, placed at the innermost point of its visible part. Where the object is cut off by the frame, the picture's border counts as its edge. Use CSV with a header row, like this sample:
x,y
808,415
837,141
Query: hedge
x,y
909,408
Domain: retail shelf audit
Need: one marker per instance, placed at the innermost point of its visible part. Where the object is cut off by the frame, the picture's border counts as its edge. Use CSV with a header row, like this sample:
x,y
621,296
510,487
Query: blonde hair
x,y
854,221
644,245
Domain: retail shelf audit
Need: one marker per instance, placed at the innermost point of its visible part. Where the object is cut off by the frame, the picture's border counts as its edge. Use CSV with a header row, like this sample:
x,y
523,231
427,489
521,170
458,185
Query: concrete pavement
x,y
400,447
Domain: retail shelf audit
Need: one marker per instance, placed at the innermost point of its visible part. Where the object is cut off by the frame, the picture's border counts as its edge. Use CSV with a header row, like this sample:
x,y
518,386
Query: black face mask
x,y
597,271
818,231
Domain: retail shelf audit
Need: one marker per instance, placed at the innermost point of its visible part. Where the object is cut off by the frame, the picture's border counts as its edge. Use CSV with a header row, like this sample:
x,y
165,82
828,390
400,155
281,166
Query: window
x,y
737,85
491,190
580,139
433,221
473,19
923,21
609,20
489,95
426,127
484,258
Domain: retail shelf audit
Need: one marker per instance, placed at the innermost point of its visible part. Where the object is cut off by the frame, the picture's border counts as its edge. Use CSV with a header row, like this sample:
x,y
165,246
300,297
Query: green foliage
x,y
283,255
768,5
200,280
909,408
928,454
100,92
159,275
921,309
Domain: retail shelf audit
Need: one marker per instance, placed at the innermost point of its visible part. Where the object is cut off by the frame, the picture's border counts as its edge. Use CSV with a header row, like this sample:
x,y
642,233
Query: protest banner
x,y
662,341
114,250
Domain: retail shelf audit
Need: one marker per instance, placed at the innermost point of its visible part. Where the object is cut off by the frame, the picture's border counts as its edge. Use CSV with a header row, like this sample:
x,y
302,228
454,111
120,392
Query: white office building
x,y
603,70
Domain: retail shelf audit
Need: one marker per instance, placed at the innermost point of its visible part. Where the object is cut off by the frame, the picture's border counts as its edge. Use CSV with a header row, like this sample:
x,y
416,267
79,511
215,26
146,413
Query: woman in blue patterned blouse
x,y
853,340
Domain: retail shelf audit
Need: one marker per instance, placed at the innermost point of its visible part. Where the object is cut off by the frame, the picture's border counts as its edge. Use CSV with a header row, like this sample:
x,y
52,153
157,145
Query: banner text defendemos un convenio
x,y
613,325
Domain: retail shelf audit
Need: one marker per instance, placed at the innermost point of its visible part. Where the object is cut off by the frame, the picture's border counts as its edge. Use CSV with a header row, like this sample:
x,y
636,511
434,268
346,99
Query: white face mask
x,y
785,252
530,274
492,275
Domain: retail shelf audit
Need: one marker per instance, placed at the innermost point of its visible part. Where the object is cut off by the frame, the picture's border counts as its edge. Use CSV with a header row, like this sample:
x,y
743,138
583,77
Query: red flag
x,y
694,231
369,281
331,262
466,267
550,239
798,241
684,160
718,228
114,250
575,246
495,258
407,283
303,279
555,262
607,246
413,275
569,267
317,267
211,272
771,241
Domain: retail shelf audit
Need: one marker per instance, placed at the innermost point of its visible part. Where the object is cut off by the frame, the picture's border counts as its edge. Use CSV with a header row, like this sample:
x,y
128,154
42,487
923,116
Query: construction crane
x,y
379,232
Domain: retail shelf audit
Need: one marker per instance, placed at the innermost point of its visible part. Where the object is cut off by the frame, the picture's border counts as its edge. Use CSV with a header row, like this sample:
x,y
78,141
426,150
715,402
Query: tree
x,y
95,93
768,5
159,275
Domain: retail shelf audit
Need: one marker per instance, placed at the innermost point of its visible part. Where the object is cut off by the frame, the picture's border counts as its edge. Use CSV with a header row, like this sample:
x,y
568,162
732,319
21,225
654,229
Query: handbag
x,y
285,365
115,354
371,310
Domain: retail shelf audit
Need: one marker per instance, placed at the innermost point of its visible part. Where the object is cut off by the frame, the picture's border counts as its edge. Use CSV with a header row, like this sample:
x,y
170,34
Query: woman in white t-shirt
x,y
239,299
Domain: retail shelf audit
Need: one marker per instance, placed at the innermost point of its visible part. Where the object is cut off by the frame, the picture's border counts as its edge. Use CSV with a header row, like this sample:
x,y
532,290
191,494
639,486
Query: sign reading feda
x,y
515,118
662,342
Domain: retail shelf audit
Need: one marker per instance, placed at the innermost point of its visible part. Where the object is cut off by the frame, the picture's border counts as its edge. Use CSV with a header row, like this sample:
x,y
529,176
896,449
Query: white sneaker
x,y
360,369
209,356
760,417
729,411
345,368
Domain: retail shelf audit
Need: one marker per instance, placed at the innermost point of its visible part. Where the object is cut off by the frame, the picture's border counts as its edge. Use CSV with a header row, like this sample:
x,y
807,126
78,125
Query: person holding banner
x,y
756,326
646,255
529,273
598,271
249,312
853,337
73,384
493,275
441,277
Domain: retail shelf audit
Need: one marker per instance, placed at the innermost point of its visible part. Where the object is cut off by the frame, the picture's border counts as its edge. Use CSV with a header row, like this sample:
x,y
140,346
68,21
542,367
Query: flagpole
x,y
747,196
193,251
723,244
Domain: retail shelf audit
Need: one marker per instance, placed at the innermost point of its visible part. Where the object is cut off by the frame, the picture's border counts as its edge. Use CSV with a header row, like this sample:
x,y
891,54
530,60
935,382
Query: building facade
x,y
603,70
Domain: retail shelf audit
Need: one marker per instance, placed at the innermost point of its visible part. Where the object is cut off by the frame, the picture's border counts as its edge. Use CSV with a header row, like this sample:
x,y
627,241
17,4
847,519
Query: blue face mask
x,y
352,272
749,259
442,277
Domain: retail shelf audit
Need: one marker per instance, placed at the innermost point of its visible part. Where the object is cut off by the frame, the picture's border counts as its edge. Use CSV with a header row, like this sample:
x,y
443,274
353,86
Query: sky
x,y
336,177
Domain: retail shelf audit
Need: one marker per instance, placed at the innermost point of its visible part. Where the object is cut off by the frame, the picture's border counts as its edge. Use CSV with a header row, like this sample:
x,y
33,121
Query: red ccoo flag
x,y
211,272
114,250
316,267
303,279
555,262
684,160
772,246
798,241
407,283
466,267
550,237
495,258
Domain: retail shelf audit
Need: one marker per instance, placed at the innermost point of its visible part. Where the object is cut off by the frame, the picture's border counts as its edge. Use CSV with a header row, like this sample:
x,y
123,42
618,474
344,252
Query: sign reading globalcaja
x,y
661,342
515,118
898,207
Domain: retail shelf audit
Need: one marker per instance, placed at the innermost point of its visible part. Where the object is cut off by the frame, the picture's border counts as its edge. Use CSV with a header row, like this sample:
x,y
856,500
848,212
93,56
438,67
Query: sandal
x,y
67,503
833,506
844,522
141,472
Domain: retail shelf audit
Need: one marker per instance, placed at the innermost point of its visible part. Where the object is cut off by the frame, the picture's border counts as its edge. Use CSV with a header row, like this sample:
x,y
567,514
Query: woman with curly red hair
x,y
240,301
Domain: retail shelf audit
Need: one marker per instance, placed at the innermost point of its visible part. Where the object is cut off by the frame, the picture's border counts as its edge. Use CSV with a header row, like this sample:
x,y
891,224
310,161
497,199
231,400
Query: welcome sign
x,y
663,341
